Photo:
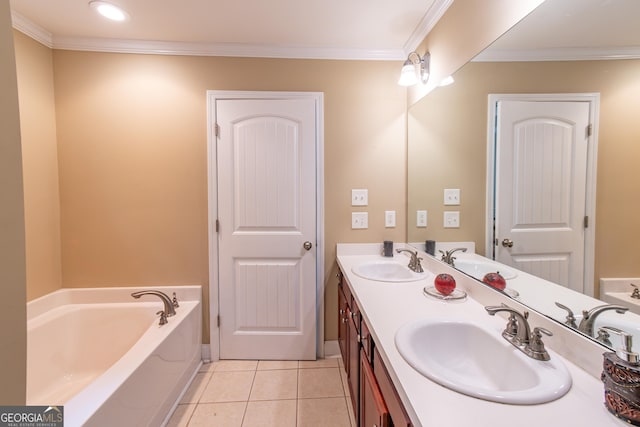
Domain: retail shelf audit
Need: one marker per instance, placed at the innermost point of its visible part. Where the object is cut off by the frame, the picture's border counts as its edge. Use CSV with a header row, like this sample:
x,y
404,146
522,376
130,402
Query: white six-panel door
x,y
266,177
541,175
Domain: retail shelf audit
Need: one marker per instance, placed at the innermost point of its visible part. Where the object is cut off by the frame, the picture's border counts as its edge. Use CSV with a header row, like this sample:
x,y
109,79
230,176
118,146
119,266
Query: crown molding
x,y
429,20
220,49
558,54
31,29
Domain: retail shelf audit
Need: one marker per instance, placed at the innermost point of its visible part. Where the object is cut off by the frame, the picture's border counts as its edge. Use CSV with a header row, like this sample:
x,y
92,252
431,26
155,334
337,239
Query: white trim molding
x,y
558,54
212,97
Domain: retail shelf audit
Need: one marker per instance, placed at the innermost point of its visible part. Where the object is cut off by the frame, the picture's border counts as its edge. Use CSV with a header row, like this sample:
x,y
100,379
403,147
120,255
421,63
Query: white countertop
x,y
386,307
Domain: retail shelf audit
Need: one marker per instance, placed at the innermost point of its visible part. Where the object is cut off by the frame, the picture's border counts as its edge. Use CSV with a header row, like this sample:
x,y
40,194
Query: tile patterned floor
x,y
247,393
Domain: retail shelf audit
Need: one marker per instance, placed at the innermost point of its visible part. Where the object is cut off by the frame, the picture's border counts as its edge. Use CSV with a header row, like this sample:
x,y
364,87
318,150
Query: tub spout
x,y
168,304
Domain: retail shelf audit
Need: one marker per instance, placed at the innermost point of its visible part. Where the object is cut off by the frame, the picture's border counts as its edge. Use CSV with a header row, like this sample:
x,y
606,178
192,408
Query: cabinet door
x,y
373,410
397,413
353,364
342,327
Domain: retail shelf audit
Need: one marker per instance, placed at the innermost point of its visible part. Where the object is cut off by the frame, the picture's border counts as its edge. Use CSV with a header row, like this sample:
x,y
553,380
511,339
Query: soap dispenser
x,y
621,378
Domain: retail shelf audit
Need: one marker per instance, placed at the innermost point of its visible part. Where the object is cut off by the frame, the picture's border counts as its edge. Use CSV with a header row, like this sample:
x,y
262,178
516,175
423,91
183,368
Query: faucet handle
x,y
175,301
636,292
570,320
163,317
536,347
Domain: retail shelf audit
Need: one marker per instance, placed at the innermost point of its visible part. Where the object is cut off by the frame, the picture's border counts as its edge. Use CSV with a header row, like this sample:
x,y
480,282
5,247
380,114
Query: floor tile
x,y
322,382
277,364
236,365
271,413
197,386
218,415
320,363
181,416
330,412
275,384
228,387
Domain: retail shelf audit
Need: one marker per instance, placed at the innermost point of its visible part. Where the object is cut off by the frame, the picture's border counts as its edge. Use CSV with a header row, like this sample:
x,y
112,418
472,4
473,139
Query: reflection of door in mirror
x,y
540,187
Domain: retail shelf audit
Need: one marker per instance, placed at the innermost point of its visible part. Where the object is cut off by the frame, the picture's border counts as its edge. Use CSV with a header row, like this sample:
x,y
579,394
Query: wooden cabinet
x,y
373,409
373,396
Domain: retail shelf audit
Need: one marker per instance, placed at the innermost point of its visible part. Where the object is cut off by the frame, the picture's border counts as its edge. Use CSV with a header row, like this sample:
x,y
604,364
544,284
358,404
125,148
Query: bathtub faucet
x,y
168,304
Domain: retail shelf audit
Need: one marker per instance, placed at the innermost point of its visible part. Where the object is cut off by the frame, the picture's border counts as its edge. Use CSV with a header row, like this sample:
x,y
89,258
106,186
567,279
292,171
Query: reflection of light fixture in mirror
x,y
447,81
109,10
415,68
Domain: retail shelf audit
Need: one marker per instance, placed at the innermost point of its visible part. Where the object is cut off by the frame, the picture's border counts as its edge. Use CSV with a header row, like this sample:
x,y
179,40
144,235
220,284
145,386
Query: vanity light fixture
x,y
414,69
109,11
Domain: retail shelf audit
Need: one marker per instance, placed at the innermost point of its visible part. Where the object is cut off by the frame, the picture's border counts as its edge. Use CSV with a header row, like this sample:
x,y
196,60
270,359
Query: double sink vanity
x,y
413,359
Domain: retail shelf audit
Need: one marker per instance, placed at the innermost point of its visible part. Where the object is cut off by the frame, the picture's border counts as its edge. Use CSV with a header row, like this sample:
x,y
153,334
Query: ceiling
x,y
572,29
329,29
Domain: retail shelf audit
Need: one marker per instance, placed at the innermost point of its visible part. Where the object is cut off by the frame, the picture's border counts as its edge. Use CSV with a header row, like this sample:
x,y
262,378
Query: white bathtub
x,y
103,355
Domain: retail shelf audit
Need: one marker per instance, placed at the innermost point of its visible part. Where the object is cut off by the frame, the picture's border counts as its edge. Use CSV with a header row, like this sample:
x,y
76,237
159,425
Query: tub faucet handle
x,y
163,318
174,301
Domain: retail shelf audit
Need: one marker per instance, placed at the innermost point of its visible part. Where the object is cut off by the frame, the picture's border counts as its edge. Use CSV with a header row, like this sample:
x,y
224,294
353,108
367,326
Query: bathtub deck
x,y
288,393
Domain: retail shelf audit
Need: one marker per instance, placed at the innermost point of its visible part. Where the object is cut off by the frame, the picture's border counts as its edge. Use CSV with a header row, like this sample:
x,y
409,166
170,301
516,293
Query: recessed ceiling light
x,y
109,10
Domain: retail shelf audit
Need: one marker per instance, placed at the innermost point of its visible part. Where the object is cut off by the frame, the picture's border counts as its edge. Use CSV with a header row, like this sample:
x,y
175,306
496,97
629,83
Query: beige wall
x,y
13,325
131,140
34,65
447,147
465,30
132,147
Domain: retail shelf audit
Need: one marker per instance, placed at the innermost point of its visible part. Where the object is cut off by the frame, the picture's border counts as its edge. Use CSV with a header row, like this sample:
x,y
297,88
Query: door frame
x,y
212,183
592,162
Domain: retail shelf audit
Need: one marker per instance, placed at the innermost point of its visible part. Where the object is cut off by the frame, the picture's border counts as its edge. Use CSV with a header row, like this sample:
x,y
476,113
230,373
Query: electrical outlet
x,y
389,219
451,196
360,197
451,219
359,220
421,218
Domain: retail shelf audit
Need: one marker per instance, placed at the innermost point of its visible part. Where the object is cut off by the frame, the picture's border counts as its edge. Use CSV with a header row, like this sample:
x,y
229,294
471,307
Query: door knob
x,y
507,243
307,245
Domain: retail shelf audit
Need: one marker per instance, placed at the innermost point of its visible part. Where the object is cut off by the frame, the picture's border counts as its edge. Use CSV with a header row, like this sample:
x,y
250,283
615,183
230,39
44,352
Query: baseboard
x,y
206,353
331,349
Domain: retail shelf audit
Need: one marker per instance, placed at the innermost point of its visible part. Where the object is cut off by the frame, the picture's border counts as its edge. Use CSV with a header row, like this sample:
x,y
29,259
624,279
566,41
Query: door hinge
x,y
218,320
217,225
589,129
586,222
217,130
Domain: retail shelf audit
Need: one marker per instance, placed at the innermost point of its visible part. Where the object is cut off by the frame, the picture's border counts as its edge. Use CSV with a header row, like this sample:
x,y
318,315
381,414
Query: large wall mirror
x,y
569,47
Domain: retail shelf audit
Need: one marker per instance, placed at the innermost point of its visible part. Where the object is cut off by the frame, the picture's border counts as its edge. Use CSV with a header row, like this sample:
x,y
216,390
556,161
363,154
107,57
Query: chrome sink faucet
x,y
414,262
448,257
518,332
589,317
169,309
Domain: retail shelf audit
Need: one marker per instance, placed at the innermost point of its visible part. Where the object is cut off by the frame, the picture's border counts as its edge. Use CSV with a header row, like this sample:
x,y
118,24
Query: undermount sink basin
x,y
478,362
478,268
386,271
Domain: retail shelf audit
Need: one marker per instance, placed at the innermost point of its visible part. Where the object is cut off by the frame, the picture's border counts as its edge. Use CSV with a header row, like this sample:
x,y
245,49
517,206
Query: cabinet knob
x,y
341,312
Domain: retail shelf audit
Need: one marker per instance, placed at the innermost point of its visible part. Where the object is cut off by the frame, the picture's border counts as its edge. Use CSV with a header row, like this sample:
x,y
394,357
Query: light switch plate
x,y
451,196
389,219
451,219
421,218
359,220
359,197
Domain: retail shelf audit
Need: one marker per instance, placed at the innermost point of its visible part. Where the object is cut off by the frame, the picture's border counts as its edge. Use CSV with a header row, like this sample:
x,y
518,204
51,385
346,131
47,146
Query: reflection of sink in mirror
x,y
622,298
386,271
621,321
478,362
478,268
